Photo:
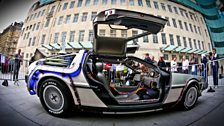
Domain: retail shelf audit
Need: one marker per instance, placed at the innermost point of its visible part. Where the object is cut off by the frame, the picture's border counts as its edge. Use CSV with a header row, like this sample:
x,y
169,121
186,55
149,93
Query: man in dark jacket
x,y
215,67
147,58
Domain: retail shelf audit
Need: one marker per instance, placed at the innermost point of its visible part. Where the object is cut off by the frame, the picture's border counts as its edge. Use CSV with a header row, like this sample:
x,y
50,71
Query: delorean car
x,y
107,79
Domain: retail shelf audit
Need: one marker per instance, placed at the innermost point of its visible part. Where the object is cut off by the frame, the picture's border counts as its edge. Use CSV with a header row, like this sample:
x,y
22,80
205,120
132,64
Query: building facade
x,y
49,24
9,39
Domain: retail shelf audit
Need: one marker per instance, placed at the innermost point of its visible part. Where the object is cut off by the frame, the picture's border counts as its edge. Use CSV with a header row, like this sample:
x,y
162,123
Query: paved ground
x,y
19,108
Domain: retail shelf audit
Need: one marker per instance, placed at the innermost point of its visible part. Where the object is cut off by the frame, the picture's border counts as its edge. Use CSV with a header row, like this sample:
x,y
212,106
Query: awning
x,y
185,50
86,45
198,51
55,46
179,48
192,51
169,48
47,46
203,52
75,45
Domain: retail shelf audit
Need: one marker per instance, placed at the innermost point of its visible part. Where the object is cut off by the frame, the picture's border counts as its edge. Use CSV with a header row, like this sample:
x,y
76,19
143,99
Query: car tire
x,y
190,98
56,98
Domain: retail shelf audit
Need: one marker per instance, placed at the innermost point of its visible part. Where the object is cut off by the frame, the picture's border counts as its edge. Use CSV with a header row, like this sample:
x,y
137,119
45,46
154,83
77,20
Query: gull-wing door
x,y
123,20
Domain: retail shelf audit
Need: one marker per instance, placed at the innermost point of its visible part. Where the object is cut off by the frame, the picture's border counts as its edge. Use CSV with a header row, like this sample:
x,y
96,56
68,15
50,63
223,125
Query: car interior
x,y
126,80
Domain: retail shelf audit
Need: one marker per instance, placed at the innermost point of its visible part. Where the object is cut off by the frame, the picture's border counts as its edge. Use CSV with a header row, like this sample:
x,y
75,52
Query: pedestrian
x,y
147,58
173,65
18,59
215,67
204,68
185,65
153,60
161,63
193,63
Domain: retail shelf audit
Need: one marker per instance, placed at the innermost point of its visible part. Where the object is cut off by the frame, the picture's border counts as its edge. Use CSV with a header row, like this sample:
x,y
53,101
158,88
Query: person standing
x,y
161,63
204,66
185,65
147,58
193,63
173,65
18,59
215,67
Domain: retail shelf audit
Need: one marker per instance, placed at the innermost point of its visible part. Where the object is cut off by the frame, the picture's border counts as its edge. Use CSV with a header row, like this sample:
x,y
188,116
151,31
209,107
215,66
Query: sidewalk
x,y
18,108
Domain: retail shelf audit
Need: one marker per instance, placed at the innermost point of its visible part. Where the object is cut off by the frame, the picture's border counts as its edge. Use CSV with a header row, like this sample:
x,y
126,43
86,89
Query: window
x,y
38,25
186,27
60,20
191,28
175,10
186,14
191,16
59,8
202,20
102,32
209,46
113,2
178,40
34,27
79,3
203,46
206,33
185,42
124,33
68,18
93,15
28,35
30,40
63,37
95,2
163,38
180,24
171,39
72,36
34,15
148,3
145,39
47,23
52,10
65,6
87,3
81,36
156,4
38,15
174,23
34,39
199,44
155,38
181,12
169,8
163,6
190,43
195,44
166,57
140,3
113,33
104,2
76,16
84,16
131,2
56,35
43,39
43,12
72,4
90,35
199,30
168,22
122,2
135,33
195,29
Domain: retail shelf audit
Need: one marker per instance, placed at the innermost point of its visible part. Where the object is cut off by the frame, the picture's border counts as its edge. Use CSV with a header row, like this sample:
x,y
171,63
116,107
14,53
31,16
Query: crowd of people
x,y
191,66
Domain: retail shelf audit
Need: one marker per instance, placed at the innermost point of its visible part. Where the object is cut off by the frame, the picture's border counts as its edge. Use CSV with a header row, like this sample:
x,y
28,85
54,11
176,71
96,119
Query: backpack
x,y
5,83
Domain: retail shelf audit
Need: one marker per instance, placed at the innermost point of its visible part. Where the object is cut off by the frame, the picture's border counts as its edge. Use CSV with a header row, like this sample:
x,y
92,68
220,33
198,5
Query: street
x,y
21,109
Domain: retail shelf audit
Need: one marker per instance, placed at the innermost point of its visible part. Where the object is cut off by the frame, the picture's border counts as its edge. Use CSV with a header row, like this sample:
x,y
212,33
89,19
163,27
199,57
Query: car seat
x,y
101,77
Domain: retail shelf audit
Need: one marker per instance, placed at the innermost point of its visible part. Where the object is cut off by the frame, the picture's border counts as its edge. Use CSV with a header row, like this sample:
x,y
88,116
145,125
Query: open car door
x,y
117,46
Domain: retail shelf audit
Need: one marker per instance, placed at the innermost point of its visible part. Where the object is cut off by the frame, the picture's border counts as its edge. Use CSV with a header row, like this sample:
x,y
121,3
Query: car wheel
x,y
55,98
190,98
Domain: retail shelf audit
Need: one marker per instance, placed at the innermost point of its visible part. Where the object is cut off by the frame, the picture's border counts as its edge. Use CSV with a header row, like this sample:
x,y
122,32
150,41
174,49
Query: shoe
x,y
216,86
210,89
